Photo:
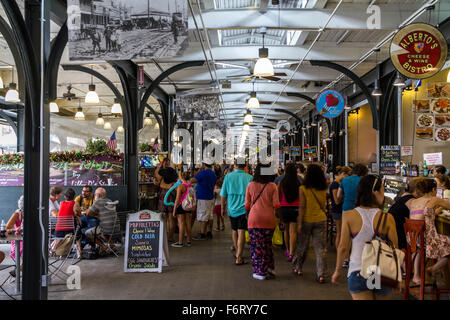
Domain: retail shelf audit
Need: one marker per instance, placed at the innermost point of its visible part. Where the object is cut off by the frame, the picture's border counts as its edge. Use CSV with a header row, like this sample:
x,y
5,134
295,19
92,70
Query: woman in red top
x,y
66,215
289,192
261,199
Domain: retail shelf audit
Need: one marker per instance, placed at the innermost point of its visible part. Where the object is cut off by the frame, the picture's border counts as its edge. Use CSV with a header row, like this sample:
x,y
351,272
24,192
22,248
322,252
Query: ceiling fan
x,y
275,77
69,95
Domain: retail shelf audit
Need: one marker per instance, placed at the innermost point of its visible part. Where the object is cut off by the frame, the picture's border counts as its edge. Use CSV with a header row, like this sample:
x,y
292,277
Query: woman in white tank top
x,y
358,227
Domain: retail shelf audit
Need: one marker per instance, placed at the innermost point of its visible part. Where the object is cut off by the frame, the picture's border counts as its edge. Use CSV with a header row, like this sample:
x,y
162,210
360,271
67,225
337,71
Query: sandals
x,y
289,258
320,279
242,262
297,272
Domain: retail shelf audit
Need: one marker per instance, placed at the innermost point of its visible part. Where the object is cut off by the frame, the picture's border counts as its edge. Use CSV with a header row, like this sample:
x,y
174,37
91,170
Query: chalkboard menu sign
x,y
143,242
388,158
310,152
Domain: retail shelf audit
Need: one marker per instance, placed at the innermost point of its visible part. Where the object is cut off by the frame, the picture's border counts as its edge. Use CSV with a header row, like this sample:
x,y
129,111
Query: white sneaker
x,y
258,277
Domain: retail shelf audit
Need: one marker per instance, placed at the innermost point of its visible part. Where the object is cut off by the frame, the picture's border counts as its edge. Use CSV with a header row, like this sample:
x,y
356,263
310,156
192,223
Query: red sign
x,y
141,76
418,51
145,216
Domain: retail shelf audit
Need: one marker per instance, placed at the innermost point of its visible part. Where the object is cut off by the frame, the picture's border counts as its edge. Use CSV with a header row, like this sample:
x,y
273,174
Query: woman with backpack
x,y
183,208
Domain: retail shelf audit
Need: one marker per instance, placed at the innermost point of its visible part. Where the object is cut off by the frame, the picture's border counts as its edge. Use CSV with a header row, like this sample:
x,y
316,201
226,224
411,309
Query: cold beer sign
x,y
418,51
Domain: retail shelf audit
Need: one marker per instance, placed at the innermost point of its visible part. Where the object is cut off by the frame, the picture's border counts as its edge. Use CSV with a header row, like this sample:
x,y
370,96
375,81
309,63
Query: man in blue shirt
x,y
206,180
233,195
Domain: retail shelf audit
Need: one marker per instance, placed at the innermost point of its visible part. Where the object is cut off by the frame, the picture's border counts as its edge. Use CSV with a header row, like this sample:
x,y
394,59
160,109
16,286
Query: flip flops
x,y
241,263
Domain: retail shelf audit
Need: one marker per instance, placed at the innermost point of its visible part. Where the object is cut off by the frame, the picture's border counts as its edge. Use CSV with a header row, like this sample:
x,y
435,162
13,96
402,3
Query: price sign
x,y
390,155
143,242
433,159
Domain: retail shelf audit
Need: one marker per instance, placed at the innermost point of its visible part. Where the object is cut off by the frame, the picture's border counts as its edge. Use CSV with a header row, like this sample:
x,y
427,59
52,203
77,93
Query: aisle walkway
x,y
204,271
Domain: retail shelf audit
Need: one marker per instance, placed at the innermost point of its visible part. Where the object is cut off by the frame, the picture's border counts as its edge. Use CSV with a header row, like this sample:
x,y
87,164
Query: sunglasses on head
x,y
377,177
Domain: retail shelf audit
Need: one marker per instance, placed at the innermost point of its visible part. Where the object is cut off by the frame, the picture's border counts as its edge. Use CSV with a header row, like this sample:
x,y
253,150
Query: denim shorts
x,y
357,284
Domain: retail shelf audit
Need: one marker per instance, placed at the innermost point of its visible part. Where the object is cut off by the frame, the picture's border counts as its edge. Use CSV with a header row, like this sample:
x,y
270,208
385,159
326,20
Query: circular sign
x,y
330,103
418,51
283,127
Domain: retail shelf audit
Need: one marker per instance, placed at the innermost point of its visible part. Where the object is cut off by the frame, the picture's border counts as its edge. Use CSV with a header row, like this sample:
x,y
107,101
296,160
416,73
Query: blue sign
x,y
330,103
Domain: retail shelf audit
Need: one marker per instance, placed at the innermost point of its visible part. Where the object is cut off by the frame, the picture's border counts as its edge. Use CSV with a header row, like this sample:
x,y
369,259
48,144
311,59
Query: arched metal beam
x,y
301,95
359,83
155,83
289,113
9,120
7,33
58,45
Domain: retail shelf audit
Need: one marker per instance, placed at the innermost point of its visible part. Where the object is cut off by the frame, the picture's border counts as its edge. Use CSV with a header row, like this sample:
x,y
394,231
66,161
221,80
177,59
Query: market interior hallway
x,y
206,270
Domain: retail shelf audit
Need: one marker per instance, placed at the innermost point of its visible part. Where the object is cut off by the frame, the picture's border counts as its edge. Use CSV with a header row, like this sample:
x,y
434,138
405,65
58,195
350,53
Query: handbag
x,y
380,255
64,246
259,195
277,238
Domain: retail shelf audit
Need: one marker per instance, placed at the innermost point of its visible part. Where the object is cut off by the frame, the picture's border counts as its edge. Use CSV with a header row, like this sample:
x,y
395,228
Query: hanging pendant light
x,y
120,129
54,107
157,126
377,91
12,95
263,67
92,96
147,120
246,127
248,117
100,121
253,102
399,82
116,107
79,115
107,126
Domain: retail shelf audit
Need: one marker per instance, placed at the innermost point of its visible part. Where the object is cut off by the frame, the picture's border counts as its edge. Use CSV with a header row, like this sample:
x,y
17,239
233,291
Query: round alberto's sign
x,y
418,51
330,103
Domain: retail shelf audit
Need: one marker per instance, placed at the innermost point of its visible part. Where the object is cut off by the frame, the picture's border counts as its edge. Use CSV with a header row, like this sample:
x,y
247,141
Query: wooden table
x,y
17,239
442,225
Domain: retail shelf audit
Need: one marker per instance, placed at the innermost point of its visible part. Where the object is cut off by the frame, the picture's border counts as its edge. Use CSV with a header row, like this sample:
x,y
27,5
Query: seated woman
x,y
66,215
14,225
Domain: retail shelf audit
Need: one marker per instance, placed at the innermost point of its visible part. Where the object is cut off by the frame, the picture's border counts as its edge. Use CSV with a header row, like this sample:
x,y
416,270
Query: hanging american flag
x,y
112,143
155,145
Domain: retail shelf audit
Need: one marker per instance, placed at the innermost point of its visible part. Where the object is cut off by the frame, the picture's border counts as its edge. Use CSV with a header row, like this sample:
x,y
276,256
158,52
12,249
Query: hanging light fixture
x,y
377,91
54,107
107,126
147,120
263,67
92,96
399,82
120,129
12,95
100,121
248,117
116,107
253,102
246,127
157,126
79,115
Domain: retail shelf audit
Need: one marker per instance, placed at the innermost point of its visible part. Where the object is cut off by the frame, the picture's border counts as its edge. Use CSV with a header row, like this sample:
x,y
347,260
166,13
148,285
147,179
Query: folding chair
x,y
4,267
111,234
55,267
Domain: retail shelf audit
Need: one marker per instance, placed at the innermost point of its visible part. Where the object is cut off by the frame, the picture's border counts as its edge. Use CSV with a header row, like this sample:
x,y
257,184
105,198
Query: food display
x,y
439,89
440,120
443,134
440,106
424,133
422,105
425,120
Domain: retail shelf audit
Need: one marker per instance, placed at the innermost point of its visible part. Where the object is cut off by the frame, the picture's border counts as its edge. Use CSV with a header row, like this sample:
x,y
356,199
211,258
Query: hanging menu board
x,y
310,152
389,156
143,242
295,151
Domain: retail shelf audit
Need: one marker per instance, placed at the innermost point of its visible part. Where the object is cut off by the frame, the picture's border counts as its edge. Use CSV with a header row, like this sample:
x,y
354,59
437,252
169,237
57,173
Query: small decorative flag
x,y
155,145
112,143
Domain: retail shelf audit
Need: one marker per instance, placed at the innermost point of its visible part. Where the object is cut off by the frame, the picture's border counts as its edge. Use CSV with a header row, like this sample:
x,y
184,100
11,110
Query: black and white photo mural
x,y
126,29
197,105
